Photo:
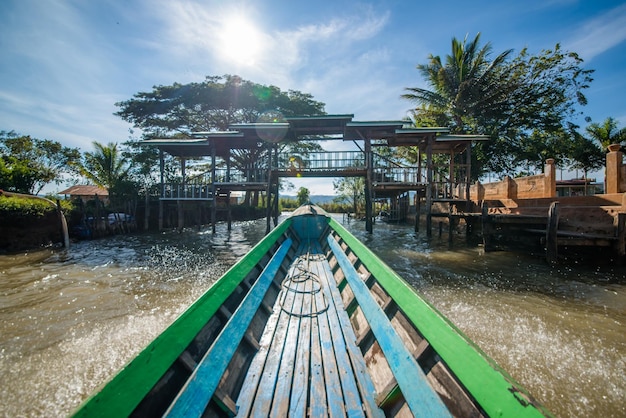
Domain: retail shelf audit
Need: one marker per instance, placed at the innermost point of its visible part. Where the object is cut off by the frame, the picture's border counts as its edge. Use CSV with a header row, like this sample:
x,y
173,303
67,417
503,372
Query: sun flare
x,y
240,40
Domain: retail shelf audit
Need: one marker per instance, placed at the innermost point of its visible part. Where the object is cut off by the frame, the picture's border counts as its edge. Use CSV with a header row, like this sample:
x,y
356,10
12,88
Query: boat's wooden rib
x,y
311,323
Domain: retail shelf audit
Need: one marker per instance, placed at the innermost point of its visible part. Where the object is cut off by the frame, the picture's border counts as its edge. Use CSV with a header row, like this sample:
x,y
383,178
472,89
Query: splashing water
x,y
70,319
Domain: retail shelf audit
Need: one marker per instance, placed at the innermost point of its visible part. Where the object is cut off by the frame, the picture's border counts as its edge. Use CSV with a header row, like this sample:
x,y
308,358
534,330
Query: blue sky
x,y
65,63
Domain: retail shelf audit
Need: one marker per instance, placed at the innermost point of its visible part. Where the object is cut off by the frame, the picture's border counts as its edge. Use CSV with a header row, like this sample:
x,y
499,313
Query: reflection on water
x,y
70,319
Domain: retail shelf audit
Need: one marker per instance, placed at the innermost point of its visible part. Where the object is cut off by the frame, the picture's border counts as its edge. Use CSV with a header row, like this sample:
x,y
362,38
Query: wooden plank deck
x,y
308,363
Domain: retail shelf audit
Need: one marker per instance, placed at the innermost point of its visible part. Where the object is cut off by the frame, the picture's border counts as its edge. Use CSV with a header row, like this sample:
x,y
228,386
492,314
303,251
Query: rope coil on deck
x,y
301,274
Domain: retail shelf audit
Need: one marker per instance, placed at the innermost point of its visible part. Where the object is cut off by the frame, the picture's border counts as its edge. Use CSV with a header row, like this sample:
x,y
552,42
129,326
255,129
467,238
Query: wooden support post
x,y
179,203
368,185
213,189
160,215
146,212
268,199
450,186
620,233
468,174
417,211
198,214
450,224
486,225
181,214
551,233
429,185
162,169
229,216
276,196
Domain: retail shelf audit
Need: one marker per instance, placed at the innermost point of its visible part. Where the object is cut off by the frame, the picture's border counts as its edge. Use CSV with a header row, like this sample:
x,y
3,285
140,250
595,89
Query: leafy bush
x,y
22,206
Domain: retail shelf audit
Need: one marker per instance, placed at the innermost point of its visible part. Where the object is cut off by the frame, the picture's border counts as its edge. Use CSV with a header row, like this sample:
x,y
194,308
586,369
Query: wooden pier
x,y
384,179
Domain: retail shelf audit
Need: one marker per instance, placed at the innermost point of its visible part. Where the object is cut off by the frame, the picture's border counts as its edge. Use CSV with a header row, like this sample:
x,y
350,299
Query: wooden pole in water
x,y
485,225
162,169
213,189
450,224
229,216
64,231
96,225
179,203
417,211
468,175
551,233
620,232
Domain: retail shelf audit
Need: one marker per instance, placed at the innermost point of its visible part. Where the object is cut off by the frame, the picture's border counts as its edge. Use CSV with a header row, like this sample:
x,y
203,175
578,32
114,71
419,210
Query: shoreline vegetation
x,y
29,223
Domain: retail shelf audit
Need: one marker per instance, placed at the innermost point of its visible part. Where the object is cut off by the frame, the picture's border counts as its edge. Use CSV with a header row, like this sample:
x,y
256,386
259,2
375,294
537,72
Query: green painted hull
x,y
490,388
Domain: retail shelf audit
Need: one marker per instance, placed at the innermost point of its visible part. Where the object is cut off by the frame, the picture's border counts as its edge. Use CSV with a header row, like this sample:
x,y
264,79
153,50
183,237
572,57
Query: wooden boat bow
x,y
311,323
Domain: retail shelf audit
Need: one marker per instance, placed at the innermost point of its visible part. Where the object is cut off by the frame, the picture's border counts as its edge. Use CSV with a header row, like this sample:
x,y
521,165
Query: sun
x,y
240,41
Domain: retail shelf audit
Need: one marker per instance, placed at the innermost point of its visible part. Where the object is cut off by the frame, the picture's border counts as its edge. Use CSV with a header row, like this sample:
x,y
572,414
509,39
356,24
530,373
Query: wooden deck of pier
x,y
555,224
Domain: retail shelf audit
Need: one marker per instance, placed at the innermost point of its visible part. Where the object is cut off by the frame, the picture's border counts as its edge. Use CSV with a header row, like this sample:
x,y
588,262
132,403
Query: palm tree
x,y
105,166
607,133
463,88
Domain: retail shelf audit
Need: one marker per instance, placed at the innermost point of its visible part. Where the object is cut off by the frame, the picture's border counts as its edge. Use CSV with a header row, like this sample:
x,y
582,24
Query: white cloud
x,y
600,34
193,33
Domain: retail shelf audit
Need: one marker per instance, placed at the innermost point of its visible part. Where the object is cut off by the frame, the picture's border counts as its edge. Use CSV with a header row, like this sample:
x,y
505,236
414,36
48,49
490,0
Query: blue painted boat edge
x,y
197,392
418,393
494,390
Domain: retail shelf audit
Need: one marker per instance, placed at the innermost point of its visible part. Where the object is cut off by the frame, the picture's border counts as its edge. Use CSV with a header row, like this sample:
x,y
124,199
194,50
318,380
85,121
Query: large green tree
x,y
28,164
516,100
214,105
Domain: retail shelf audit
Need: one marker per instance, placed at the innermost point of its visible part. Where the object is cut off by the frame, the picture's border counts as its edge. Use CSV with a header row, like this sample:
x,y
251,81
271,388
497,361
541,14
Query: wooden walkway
x,y
308,363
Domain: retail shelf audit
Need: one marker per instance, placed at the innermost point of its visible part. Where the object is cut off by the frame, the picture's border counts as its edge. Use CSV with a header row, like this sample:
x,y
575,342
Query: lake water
x,y
70,319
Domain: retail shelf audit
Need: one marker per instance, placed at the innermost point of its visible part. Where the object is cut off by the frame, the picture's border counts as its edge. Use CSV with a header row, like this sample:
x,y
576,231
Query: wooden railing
x,y
179,191
404,175
321,161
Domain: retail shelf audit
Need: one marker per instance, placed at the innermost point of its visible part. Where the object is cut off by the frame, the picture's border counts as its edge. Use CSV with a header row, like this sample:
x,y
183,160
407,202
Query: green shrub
x,y
23,206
